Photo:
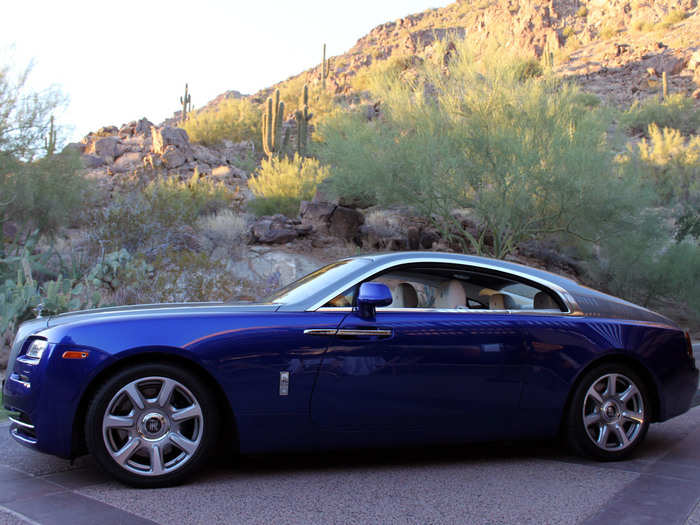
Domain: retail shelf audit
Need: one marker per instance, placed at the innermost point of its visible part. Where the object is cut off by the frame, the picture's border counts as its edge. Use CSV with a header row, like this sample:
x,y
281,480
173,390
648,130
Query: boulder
x,y
272,268
106,147
202,154
317,214
222,172
277,229
127,162
169,136
91,161
74,147
345,223
172,157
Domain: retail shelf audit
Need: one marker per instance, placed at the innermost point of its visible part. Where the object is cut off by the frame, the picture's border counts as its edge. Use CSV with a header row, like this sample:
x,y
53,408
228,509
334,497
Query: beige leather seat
x,y
497,301
452,296
405,296
544,301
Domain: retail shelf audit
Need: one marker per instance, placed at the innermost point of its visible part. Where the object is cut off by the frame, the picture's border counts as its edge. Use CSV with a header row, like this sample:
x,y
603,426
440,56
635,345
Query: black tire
x,y
591,440
188,387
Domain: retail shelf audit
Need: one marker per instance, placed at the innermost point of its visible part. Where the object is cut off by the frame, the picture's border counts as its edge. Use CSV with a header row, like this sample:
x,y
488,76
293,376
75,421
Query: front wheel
x,y
609,414
152,425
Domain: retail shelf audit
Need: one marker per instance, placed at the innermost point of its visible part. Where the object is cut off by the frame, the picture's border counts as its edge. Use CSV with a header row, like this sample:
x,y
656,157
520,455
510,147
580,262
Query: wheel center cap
x,y
153,425
610,411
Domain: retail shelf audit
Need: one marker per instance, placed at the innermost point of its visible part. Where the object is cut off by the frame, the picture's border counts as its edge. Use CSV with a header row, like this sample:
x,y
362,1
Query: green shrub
x,y
45,194
234,119
568,32
677,112
672,164
673,17
524,157
608,32
149,220
281,184
582,11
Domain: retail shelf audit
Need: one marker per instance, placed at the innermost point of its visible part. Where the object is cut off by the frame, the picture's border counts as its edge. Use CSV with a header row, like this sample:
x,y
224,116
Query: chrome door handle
x,y
320,331
354,332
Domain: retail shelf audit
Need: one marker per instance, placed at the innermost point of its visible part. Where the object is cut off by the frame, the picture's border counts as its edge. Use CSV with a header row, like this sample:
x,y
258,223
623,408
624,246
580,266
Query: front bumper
x,y
43,397
679,391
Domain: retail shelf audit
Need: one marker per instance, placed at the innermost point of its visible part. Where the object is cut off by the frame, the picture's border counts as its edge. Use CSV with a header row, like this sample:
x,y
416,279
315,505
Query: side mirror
x,y
371,296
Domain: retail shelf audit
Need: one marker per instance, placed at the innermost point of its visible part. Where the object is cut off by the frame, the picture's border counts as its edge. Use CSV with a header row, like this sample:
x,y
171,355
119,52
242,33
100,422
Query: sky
x,y
122,60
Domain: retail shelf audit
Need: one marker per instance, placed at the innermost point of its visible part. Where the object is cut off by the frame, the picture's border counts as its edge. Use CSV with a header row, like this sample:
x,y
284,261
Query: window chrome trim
x,y
573,308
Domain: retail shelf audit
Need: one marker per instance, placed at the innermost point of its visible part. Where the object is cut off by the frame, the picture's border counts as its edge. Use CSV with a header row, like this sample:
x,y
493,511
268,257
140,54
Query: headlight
x,y
36,348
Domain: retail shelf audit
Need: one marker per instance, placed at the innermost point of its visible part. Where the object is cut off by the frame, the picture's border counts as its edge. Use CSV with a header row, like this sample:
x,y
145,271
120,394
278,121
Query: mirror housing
x,y
371,296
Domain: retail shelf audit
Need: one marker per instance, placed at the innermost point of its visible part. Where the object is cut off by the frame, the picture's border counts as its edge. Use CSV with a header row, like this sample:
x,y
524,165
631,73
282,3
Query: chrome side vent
x,y
284,383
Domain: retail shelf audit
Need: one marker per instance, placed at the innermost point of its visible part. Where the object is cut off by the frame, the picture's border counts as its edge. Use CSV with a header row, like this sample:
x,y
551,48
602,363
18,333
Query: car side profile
x,y
386,350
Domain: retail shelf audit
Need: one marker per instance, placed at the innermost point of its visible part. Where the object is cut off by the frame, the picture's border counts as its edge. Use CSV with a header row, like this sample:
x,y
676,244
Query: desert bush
x,y
673,17
672,164
677,112
45,194
523,155
149,221
281,184
582,11
234,119
225,227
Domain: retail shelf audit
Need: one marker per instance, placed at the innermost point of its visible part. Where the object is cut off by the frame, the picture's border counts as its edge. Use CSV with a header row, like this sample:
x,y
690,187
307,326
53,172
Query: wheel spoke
x,y
166,392
635,417
591,419
595,396
621,435
135,396
603,436
112,421
156,459
186,413
184,444
611,385
630,391
122,455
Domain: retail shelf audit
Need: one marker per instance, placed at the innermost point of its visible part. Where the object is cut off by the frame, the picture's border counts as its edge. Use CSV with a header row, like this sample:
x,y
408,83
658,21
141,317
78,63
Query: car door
x,y
413,374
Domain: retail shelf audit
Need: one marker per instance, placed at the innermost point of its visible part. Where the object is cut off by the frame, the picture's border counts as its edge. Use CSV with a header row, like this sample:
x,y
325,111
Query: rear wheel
x,y
152,425
609,415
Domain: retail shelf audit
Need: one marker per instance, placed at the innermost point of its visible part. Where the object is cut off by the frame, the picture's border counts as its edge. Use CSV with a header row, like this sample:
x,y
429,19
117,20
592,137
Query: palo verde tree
x,y
35,193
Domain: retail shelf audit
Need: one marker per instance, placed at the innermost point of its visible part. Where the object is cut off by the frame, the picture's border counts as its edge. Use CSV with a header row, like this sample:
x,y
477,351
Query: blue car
x,y
397,349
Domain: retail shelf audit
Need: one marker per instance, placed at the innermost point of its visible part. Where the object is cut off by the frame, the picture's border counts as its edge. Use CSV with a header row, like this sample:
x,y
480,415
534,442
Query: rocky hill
x,y
614,48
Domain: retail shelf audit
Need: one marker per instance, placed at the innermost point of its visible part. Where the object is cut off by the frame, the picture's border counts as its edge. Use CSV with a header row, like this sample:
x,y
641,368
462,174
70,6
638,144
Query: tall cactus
x,y
50,140
325,68
664,85
274,143
302,116
186,102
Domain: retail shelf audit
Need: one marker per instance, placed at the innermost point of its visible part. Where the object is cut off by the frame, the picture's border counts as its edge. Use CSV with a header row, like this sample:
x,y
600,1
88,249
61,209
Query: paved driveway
x,y
503,483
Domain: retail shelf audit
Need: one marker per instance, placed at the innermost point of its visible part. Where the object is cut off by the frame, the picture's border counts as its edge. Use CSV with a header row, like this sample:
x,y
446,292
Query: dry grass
x,y
224,228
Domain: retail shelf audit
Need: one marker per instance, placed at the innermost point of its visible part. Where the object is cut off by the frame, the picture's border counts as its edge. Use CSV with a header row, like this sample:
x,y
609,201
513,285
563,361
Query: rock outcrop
x,y
140,147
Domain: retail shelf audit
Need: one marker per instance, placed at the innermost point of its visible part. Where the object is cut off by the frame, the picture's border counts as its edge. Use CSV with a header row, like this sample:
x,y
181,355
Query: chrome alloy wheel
x,y
152,426
613,412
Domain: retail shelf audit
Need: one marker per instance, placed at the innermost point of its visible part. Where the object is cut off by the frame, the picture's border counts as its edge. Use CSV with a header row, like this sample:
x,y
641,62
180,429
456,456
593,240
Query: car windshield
x,y
316,281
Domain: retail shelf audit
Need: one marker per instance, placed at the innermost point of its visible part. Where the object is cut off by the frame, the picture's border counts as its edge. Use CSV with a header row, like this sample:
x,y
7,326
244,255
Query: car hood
x,y
148,310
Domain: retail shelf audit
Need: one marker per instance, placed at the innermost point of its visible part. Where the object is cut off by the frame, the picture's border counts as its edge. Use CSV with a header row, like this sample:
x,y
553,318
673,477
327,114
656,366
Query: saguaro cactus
x,y
664,85
325,68
273,118
50,139
186,102
302,116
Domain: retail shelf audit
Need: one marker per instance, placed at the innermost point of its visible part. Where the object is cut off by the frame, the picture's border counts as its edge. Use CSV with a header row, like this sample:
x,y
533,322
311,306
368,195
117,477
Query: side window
x,y
448,287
